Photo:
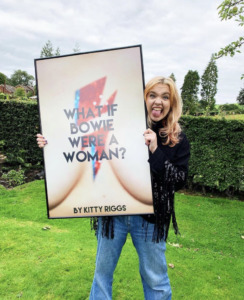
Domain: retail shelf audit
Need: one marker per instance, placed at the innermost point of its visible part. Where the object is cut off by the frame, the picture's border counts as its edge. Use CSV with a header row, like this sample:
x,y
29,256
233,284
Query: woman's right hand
x,y
41,141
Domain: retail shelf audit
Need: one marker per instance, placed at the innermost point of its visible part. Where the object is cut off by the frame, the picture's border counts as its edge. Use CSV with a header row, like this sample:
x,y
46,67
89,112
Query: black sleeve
x,y
177,165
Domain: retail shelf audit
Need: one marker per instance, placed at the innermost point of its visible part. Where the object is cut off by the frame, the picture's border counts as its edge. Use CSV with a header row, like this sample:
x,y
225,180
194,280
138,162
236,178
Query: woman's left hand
x,y
151,139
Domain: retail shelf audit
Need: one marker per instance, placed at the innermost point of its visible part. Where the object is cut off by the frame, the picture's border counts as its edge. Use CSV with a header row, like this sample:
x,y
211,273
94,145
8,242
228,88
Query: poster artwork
x,y
93,115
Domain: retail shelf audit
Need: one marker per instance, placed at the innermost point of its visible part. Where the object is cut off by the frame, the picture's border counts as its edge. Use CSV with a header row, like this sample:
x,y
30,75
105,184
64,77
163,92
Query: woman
x,y
168,158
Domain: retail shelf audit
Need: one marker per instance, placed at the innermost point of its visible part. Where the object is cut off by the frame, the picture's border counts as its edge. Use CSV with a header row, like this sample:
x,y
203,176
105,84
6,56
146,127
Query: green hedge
x,y
217,152
19,123
217,149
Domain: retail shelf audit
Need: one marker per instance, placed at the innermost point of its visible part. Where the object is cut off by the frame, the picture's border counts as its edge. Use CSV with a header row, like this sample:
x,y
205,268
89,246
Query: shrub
x,y
30,94
228,107
19,123
217,152
20,92
231,109
217,149
14,178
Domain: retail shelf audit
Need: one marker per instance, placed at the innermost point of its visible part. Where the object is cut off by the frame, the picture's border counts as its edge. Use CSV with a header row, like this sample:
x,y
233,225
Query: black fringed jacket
x,y
169,168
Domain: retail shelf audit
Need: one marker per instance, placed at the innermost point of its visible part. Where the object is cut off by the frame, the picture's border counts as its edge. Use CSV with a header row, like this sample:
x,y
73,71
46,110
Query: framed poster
x,y
92,113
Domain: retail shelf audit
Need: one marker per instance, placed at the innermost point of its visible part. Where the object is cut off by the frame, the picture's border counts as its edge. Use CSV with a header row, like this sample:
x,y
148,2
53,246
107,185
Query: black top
x,y
178,156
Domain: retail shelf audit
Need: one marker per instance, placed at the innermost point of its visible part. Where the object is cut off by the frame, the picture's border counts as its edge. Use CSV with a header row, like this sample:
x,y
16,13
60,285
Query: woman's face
x,y
158,102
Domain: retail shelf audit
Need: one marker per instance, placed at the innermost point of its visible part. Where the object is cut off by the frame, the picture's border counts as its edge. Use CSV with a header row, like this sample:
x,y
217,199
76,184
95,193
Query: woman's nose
x,y
158,100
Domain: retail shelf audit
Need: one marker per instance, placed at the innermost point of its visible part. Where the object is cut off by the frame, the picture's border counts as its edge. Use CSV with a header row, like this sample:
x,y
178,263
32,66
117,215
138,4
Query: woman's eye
x,y
151,95
166,97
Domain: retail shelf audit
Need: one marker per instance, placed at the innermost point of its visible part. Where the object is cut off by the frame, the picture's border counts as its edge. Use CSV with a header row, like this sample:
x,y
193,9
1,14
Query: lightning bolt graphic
x,y
89,97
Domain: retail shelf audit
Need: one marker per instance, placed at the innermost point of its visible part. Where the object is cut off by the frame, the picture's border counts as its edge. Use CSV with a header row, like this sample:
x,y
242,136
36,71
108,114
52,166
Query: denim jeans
x,y
152,262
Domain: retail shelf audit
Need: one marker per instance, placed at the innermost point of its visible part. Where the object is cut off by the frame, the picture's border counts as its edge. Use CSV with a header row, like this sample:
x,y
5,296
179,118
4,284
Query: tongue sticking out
x,y
156,113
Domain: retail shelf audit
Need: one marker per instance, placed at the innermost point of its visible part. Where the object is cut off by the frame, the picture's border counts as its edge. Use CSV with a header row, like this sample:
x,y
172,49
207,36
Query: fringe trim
x,y
163,201
107,226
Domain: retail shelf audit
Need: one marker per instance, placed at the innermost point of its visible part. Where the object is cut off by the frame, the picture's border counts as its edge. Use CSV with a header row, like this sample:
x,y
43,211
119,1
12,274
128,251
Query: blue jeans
x,y
153,266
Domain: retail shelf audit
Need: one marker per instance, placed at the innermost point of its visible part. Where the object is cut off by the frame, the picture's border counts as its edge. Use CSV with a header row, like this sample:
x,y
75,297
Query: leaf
x,y
171,266
19,295
46,228
175,245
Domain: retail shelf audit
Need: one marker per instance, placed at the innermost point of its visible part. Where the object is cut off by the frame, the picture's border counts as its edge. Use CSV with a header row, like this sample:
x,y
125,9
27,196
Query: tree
x,y
77,48
240,98
20,77
189,92
57,53
209,82
229,9
47,50
172,76
3,78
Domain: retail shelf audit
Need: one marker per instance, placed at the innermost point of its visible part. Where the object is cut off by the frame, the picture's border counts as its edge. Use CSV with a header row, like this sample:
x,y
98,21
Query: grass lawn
x,y
54,259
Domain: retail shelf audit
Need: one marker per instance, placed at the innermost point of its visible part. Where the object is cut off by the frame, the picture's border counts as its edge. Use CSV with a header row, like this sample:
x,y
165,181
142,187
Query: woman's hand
x,y
41,141
151,139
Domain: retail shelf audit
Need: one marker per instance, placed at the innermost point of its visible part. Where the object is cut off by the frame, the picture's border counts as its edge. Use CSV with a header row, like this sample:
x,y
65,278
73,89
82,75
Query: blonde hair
x,y
170,124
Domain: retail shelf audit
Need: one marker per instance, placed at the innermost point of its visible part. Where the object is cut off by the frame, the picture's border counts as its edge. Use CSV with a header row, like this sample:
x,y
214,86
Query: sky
x,y
176,35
